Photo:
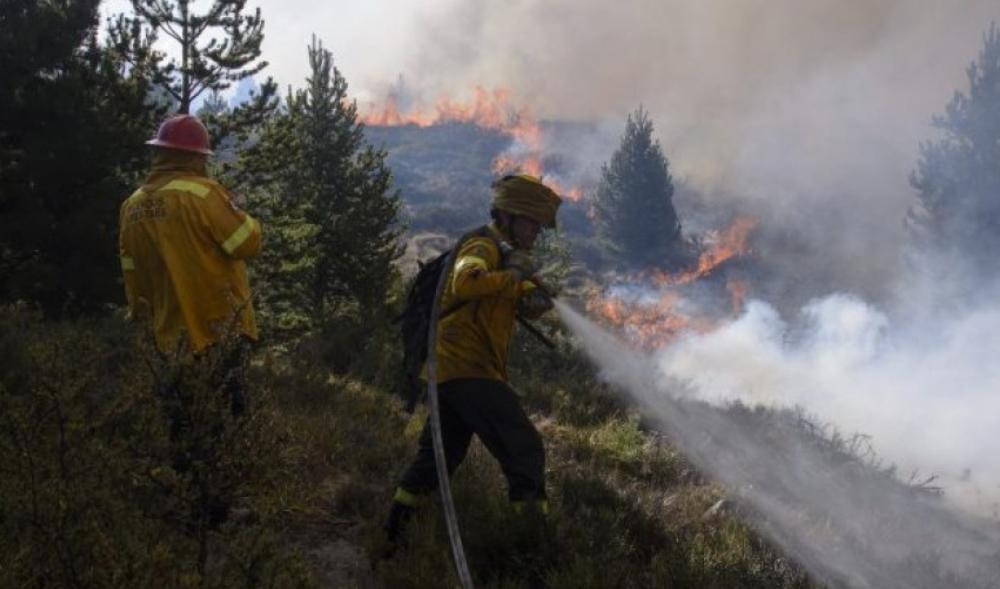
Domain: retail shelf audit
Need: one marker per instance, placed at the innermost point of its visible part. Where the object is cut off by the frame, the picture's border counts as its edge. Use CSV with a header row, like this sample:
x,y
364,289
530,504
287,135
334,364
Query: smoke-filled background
x,y
807,113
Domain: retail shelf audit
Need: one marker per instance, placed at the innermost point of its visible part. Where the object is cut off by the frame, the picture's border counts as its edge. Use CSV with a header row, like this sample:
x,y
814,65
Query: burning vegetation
x,y
650,308
488,109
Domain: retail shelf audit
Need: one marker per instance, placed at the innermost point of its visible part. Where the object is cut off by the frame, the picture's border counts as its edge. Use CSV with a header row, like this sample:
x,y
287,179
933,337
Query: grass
x,y
313,472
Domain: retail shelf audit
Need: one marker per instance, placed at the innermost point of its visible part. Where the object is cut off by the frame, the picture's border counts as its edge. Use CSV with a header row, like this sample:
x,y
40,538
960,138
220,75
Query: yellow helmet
x,y
521,194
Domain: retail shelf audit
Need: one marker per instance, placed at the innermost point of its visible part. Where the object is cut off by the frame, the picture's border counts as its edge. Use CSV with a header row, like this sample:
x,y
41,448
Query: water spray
x,y
846,522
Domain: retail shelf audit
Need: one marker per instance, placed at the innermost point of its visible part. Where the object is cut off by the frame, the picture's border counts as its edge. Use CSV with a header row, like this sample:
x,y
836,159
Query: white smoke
x,y
926,396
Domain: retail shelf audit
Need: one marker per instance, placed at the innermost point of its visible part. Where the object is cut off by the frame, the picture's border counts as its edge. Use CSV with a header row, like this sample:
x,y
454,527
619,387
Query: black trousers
x,y
491,410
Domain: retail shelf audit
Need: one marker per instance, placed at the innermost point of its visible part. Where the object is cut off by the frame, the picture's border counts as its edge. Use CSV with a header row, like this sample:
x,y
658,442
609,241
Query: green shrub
x,y
97,492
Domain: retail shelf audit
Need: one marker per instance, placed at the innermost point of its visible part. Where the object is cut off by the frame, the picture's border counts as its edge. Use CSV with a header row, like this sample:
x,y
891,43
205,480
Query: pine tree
x,y
958,177
633,206
349,191
266,171
332,211
73,116
206,63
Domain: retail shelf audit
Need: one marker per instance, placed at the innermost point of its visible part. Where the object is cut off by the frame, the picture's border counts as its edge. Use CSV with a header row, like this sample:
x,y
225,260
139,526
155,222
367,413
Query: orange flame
x,y
727,244
489,110
655,324
651,325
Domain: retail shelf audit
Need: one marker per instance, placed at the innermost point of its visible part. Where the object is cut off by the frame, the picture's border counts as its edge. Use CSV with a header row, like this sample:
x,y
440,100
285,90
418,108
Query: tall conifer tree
x,y
634,210
333,211
73,116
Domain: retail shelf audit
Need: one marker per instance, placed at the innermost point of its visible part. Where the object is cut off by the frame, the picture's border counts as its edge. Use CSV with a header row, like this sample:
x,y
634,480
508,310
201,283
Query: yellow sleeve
x,y
236,232
477,272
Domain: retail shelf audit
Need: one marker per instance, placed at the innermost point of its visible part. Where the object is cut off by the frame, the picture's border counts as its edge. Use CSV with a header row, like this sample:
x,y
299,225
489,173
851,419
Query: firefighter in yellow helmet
x,y
183,241
491,275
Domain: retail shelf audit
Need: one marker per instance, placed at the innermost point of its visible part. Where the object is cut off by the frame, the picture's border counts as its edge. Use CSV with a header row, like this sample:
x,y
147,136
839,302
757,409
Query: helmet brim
x,y
168,145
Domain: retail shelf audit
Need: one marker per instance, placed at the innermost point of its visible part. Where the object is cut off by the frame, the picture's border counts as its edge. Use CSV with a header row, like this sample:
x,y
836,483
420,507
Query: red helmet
x,y
183,132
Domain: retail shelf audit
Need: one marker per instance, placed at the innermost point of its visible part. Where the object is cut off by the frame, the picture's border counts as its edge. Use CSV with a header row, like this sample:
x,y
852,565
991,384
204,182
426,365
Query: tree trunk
x,y
185,106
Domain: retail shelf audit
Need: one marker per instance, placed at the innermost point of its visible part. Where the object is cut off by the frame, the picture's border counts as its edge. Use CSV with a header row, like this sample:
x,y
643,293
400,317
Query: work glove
x,y
519,262
534,303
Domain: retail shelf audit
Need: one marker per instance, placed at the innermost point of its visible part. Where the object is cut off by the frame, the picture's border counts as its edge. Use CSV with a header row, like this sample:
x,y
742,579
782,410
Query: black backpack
x,y
415,319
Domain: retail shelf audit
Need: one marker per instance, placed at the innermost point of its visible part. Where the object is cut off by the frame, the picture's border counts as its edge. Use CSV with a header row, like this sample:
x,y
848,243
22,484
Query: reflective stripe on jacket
x,y
473,341
182,244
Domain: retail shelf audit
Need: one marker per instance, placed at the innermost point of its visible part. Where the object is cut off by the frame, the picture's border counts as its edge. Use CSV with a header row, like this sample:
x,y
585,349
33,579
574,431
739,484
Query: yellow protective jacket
x,y
182,244
473,341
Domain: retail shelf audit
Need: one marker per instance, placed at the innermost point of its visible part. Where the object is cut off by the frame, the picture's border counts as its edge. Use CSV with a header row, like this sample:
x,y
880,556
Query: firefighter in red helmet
x,y
183,241
183,133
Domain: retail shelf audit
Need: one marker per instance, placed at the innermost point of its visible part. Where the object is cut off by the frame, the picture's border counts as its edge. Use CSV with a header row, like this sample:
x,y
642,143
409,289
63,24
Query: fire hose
x,y
444,486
